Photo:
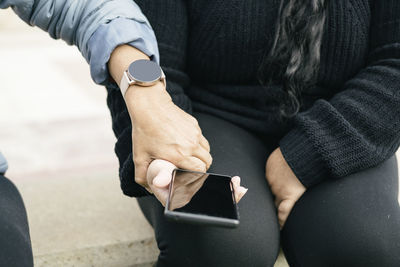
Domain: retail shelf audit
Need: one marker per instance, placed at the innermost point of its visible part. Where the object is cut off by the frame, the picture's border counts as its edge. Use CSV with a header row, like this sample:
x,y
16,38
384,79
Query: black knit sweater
x,y
211,50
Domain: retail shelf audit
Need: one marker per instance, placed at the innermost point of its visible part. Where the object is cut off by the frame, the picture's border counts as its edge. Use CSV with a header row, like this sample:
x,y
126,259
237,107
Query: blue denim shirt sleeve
x,y
117,32
77,22
3,164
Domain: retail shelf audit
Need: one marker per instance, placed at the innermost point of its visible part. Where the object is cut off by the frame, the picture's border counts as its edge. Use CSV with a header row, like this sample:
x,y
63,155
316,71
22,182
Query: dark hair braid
x,y
295,55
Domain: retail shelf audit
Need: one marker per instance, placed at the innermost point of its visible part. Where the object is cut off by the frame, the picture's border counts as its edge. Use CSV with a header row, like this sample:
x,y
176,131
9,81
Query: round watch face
x,y
144,70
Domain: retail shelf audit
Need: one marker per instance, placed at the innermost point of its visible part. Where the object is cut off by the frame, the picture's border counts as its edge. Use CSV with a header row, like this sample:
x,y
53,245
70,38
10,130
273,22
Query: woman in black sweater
x,y
301,99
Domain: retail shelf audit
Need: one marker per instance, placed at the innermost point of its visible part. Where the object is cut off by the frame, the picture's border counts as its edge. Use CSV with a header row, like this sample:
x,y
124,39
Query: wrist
x,y
280,169
120,59
142,99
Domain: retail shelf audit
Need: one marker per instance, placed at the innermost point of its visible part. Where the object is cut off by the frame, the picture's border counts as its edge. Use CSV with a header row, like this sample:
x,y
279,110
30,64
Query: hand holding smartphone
x,y
202,198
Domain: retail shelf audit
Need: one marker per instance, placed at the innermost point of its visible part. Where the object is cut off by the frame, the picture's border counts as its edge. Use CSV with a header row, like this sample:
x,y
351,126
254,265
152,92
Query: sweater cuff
x,y
303,158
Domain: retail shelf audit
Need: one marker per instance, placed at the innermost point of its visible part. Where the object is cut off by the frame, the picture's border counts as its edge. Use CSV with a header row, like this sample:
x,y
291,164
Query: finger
x,y
236,181
156,166
277,201
240,192
284,210
192,163
204,143
203,155
159,174
163,178
161,194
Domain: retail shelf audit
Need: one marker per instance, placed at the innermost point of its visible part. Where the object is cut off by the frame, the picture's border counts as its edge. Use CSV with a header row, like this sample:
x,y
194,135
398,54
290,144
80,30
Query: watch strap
x,y
125,83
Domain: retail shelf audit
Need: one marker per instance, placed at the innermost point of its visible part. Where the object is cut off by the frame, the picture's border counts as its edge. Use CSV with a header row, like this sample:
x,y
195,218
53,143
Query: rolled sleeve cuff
x,y
303,158
118,32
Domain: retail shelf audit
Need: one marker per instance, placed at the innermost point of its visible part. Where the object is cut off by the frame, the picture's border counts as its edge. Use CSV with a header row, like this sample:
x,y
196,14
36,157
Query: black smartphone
x,y
213,201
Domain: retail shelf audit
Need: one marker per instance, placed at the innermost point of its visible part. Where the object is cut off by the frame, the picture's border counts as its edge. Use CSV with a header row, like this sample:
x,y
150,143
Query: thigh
x,y
353,221
256,241
15,244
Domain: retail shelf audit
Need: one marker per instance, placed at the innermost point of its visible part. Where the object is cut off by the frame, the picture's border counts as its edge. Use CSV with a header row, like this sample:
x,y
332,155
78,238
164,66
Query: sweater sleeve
x,y
359,127
169,20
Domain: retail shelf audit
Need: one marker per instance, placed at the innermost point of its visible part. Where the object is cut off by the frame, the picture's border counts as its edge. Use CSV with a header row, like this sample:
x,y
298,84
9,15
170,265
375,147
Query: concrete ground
x,y
56,133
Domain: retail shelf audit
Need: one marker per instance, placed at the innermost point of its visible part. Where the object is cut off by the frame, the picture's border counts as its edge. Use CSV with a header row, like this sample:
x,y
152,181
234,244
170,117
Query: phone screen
x,y
212,194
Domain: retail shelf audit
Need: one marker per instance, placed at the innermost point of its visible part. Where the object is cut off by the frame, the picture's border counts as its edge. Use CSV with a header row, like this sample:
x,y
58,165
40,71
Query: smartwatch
x,y
142,72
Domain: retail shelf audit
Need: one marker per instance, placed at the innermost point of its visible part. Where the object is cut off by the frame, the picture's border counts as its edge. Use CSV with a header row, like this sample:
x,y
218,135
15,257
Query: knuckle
x,y
210,160
198,132
281,208
200,167
190,144
194,120
193,144
179,152
206,142
175,157
178,158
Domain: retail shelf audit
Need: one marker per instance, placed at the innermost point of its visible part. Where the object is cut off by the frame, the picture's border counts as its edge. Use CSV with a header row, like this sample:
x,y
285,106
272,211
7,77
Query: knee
x,y
12,207
311,241
9,193
15,243
203,246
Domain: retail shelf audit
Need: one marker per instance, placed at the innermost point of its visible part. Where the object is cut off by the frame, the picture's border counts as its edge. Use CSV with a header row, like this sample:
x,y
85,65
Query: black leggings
x,y
15,243
353,221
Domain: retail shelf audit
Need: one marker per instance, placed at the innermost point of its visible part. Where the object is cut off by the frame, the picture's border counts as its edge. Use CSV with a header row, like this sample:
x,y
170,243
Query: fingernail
x,y
161,180
156,181
236,180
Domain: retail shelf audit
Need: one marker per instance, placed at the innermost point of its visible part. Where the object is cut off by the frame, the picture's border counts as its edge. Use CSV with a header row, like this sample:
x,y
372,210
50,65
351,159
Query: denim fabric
x,y
77,21
119,31
3,164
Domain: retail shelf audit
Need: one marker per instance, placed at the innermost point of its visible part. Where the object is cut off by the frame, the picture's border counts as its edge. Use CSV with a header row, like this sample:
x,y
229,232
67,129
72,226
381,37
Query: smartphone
x,y
212,202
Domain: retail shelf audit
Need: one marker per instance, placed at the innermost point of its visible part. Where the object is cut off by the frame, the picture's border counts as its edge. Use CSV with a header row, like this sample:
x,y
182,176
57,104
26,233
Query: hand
x,y
161,130
159,175
283,183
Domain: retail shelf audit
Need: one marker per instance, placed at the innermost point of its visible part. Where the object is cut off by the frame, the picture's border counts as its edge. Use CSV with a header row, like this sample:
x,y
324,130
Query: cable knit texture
x,y
349,121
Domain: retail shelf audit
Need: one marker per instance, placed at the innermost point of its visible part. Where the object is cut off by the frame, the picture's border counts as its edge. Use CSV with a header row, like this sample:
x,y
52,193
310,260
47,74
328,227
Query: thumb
x,y
284,209
163,178
160,172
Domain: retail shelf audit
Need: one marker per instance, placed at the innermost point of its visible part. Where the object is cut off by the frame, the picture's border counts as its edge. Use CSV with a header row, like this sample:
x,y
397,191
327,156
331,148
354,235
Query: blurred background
x,y
55,131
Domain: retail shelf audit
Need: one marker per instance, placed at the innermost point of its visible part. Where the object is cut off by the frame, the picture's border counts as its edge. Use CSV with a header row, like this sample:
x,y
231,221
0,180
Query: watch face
x,y
144,70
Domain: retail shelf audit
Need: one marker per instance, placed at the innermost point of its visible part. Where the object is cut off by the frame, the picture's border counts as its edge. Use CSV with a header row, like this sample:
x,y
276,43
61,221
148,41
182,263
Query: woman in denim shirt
x,y
80,23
